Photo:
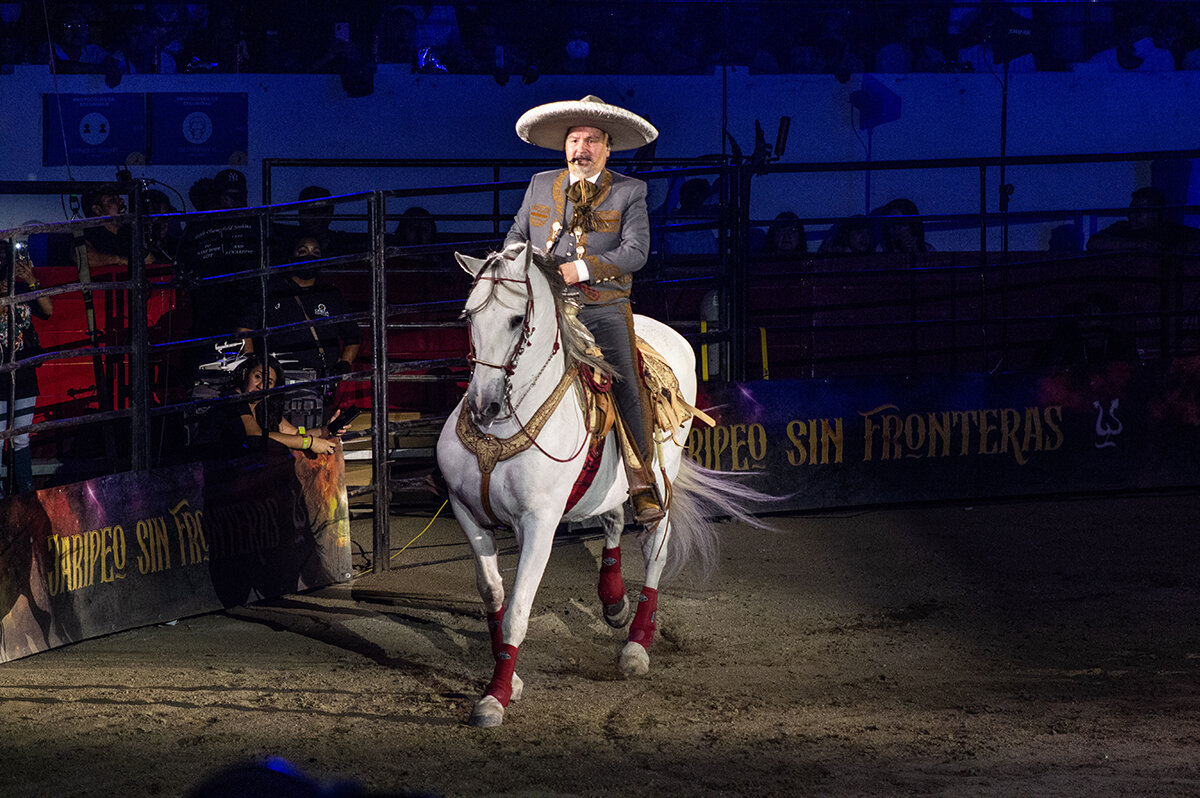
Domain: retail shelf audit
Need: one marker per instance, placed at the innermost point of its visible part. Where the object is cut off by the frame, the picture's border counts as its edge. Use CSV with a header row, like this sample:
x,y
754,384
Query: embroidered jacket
x,y
613,252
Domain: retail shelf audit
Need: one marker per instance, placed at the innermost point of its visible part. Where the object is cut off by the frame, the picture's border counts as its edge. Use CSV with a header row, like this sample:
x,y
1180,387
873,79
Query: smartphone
x,y
341,31
343,420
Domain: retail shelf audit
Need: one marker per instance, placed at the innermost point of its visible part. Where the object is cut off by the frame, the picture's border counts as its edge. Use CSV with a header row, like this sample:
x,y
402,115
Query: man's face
x,y
232,198
587,151
109,205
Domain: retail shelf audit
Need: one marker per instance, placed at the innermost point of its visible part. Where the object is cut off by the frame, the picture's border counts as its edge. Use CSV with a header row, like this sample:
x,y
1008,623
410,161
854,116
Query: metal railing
x,y
979,330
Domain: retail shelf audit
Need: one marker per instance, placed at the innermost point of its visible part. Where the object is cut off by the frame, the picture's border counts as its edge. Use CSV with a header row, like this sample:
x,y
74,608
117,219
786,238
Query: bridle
x,y
524,340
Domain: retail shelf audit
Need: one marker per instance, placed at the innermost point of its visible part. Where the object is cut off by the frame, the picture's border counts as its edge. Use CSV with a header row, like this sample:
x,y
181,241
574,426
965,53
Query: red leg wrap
x,y
495,621
611,587
500,687
642,629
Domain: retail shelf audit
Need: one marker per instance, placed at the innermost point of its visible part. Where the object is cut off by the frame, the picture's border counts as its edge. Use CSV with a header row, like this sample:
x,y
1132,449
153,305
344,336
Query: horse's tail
x,y
698,497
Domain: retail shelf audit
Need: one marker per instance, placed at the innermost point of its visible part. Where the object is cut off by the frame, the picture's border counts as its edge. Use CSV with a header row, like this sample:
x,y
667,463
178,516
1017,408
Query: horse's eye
x,y
516,322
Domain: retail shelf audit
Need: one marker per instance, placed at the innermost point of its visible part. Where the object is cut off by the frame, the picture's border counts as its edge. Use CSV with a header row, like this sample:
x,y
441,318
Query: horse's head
x,y
500,311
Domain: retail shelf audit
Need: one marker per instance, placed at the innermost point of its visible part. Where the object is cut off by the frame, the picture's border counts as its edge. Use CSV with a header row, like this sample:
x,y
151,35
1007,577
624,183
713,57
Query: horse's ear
x,y
470,265
514,251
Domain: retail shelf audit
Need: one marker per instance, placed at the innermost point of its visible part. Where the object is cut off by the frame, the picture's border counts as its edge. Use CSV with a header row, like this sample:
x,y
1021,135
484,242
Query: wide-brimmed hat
x,y
547,125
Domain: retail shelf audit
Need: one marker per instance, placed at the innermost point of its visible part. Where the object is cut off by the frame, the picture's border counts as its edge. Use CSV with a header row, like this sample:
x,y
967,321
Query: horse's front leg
x,y
535,536
635,659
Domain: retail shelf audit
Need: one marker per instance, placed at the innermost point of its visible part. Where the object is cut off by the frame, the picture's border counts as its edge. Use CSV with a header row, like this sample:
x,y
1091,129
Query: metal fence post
x,y
139,359
380,472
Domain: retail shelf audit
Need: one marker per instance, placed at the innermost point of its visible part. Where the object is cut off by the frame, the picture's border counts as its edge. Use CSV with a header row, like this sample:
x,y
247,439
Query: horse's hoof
x,y
618,615
635,661
518,687
487,713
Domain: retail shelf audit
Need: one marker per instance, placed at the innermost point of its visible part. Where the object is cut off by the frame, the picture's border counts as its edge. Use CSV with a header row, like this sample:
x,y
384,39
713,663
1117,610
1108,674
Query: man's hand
x,y
569,272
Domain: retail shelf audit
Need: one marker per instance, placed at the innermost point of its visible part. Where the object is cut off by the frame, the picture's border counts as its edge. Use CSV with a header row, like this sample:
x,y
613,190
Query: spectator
x,y
914,50
22,344
989,41
316,222
667,49
71,50
903,235
786,235
744,44
111,242
250,423
213,247
12,44
1064,239
416,228
162,235
203,194
853,236
1135,48
1087,337
692,208
218,47
435,37
324,349
831,54
1146,229
146,44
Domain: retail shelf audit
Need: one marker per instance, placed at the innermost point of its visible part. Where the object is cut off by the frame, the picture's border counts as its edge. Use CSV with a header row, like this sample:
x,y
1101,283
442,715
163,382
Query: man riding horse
x,y
594,223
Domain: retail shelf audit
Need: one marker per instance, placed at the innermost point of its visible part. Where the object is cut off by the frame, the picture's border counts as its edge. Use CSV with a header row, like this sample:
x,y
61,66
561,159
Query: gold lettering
x,y
832,435
720,443
1033,430
756,444
1010,425
914,434
736,442
796,432
1053,419
54,572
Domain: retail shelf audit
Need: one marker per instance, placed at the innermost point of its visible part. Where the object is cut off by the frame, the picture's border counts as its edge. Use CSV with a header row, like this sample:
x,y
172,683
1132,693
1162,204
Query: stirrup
x,y
647,509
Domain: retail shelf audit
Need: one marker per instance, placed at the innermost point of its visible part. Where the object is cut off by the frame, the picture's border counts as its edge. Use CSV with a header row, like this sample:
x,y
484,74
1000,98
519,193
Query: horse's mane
x,y
573,344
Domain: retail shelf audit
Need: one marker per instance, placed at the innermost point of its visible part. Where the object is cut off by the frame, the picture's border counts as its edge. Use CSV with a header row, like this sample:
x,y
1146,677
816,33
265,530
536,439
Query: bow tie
x,y
582,194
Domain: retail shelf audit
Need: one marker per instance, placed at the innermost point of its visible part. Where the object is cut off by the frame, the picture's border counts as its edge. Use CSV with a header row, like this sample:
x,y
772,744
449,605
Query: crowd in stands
x,y
499,38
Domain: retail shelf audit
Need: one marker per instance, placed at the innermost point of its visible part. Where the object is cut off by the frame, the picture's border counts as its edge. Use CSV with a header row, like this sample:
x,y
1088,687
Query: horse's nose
x,y
489,412
485,413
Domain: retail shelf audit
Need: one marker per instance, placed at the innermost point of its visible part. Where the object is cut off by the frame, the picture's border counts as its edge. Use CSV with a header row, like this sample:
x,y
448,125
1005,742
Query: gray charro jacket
x,y
616,250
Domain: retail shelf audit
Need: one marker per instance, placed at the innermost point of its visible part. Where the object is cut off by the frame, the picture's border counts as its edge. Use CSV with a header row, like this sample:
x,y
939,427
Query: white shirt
x,y
580,266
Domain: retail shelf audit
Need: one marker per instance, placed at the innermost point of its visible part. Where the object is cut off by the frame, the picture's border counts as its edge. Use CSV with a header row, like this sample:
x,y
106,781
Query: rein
x,y
509,367
488,449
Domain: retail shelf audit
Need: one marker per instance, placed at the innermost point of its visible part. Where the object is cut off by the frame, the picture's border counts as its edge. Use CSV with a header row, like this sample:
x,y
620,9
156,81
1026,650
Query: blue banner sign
x,y
93,129
198,128
851,442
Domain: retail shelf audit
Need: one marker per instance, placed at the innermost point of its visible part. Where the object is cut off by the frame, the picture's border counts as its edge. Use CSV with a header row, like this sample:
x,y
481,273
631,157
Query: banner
x,y
93,129
845,442
198,128
133,549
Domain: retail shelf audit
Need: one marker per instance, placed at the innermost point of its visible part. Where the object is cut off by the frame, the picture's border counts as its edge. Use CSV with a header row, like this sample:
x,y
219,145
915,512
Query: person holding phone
x,y
252,422
18,340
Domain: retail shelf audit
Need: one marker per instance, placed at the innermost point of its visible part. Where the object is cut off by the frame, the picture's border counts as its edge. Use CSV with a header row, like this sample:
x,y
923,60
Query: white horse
x,y
512,453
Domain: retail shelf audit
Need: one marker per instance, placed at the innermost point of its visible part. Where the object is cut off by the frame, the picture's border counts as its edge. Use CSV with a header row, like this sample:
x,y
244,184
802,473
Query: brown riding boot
x,y
647,509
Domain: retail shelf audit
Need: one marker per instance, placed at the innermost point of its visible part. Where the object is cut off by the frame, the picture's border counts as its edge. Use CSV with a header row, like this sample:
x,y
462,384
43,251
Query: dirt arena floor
x,y
1021,648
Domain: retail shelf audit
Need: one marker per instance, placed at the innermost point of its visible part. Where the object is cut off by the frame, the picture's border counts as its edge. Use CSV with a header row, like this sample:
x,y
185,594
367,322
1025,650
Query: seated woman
x,y
244,424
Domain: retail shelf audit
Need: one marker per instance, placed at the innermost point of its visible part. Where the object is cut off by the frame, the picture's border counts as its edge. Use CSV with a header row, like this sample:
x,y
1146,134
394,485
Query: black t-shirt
x,y
220,247
289,303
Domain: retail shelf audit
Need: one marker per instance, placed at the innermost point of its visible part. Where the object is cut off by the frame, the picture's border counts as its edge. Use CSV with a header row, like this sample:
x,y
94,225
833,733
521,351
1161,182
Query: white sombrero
x,y
547,125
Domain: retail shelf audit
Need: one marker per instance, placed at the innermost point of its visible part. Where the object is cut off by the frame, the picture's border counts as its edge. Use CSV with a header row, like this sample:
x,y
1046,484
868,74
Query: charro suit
x,y
613,251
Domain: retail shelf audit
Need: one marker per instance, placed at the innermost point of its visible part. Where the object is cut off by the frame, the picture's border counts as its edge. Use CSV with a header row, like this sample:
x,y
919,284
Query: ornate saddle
x,y
592,391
